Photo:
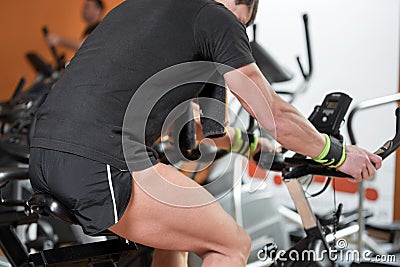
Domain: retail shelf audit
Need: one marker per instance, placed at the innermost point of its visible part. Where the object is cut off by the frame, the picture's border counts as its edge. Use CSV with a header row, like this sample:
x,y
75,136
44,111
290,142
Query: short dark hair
x,y
99,3
253,5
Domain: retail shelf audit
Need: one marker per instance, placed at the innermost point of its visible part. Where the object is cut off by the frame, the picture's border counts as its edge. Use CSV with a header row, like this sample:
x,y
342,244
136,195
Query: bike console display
x,y
328,117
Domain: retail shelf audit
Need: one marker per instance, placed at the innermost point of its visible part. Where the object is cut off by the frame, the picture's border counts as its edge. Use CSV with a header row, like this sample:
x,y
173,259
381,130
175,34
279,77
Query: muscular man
x,y
77,152
92,13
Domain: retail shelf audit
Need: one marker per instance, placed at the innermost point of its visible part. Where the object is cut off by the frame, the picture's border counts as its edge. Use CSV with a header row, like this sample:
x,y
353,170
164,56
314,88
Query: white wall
x,y
356,51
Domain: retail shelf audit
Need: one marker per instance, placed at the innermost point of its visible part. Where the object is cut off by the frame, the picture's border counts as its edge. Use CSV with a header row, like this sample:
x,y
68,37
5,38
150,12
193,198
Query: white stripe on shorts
x,y
112,193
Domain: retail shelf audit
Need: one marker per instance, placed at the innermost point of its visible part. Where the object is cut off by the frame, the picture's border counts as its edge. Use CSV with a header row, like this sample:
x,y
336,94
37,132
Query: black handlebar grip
x,y
19,87
339,212
270,160
305,18
397,112
45,31
265,159
306,166
390,146
59,59
256,157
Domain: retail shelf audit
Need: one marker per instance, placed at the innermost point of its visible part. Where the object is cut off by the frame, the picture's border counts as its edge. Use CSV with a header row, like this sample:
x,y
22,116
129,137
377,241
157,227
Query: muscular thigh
x,y
167,210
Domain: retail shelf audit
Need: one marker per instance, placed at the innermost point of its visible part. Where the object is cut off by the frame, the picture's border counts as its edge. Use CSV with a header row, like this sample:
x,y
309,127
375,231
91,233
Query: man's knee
x,y
239,246
244,244
234,253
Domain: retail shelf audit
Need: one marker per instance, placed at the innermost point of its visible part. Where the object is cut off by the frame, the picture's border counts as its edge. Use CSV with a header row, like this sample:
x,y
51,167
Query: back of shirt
x,y
84,112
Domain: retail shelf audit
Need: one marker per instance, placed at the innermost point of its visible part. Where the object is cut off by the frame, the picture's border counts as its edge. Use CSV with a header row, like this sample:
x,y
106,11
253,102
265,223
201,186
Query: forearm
x,y
71,44
224,142
295,132
280,119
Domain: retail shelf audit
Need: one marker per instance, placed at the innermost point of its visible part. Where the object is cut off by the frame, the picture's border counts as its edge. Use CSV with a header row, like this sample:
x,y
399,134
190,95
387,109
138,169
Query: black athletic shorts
x,y
96,193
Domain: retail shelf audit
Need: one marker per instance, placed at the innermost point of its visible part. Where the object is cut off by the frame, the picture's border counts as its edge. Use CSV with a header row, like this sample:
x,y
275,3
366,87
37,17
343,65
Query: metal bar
x,y
366,105
362,106
17,218
290,215
361,220
80,253
19,87
396,208
301,203
237,188
12,247
308,43
345,232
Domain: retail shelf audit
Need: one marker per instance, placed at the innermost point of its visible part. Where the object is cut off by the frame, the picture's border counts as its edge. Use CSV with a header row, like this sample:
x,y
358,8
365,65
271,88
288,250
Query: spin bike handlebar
x,y
58,58
297,167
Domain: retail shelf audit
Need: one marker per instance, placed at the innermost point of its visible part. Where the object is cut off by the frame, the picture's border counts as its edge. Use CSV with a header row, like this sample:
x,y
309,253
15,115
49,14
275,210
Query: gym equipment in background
x,y
17,113
47,75
297,167
394,228
245,208
275,73
26,212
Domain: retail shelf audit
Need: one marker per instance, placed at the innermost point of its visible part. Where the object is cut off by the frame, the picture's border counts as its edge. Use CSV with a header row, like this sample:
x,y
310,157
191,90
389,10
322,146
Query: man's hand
x,y
264,145
360,163
53,39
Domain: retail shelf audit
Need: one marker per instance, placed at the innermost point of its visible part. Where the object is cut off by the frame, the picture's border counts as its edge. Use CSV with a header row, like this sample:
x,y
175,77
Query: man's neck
x,y
93,21
229,4
222,2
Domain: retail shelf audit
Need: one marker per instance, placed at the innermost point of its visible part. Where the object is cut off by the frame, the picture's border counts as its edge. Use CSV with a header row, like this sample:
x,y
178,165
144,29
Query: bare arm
x,y
225,142
281,120
287,125
54,39
71,44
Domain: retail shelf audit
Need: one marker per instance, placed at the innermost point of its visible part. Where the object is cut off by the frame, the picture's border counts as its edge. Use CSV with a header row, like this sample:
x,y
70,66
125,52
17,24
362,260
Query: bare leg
x,y
167,258
207,230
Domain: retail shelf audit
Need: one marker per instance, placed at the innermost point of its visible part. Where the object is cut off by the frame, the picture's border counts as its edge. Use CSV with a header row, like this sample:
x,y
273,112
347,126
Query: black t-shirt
x,y
88,30
84,112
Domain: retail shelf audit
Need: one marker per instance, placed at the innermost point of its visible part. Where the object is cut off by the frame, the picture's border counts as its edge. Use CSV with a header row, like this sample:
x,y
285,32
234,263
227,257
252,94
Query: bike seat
x,y
9,174
45,204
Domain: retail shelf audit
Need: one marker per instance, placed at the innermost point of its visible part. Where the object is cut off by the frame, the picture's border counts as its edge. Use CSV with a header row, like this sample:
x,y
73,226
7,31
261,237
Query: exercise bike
x,y
98,254
314,249
18,106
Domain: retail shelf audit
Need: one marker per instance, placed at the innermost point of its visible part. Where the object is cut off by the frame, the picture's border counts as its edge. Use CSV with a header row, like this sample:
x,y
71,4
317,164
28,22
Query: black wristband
x,y
336,154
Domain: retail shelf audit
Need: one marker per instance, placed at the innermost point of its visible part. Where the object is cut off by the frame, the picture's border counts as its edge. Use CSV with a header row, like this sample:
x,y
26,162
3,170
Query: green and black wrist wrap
x,y
334,153
244,143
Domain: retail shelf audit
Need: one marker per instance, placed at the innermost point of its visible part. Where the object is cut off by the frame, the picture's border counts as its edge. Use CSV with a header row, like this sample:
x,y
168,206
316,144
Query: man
x,y
77,152
92,13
